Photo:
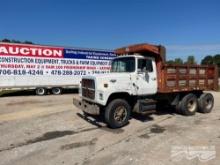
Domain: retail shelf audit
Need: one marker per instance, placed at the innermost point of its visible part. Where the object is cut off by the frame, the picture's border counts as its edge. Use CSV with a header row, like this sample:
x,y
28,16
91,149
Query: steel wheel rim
x,y
56,90
120,114
208,103
40,90
191,106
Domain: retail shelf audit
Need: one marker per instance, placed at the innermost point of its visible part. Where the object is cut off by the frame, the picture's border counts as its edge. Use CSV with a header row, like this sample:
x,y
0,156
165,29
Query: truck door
x,y
146,80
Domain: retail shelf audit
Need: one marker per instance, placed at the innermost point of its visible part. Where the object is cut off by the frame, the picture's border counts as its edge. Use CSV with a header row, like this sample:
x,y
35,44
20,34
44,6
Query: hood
x,y
114,80
107,76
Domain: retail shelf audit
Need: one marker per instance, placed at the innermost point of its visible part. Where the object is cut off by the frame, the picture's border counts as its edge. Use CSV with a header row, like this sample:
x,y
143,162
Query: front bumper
x,y
86,106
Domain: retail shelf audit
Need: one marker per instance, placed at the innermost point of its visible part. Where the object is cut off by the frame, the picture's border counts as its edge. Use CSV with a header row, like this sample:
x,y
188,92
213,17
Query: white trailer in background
x,y
43,68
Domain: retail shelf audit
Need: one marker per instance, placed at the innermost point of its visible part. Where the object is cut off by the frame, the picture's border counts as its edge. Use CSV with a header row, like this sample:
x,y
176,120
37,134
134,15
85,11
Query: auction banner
x,y
35,60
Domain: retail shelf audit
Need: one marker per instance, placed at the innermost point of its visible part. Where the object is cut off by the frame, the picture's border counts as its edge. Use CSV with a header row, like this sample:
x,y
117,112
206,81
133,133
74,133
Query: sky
x,y
185,27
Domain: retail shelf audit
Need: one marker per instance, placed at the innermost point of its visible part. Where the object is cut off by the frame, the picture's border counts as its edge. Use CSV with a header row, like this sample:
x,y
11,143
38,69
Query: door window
x,y
145,64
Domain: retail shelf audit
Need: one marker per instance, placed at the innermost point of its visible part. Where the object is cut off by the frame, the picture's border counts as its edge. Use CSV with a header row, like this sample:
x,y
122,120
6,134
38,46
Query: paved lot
x,y
50,130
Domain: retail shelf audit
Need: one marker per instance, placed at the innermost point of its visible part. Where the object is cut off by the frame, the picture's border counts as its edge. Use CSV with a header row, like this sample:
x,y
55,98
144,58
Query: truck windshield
x,y
126,64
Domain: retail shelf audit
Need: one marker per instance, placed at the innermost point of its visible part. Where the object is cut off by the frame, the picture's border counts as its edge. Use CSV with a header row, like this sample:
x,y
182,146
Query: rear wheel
x,y
206,103
56,91
41,91
117,113
188,105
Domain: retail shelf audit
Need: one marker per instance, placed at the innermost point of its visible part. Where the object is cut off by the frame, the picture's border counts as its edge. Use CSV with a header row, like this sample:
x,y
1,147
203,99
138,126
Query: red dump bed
x,y
176,78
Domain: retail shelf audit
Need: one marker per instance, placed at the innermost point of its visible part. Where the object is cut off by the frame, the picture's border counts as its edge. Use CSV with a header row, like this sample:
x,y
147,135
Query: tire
x,y
206,103
56,91
117,113
177,108
41,91
188,105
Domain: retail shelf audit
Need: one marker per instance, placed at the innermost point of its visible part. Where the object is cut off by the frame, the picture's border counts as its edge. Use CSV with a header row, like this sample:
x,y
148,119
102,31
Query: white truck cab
x,y
134,75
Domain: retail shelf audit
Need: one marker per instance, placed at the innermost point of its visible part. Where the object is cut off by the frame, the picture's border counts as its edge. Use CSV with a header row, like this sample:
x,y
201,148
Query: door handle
x,y
153,78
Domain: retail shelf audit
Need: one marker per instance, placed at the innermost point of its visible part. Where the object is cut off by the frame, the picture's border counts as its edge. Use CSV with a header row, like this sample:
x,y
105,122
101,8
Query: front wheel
x,y
117,113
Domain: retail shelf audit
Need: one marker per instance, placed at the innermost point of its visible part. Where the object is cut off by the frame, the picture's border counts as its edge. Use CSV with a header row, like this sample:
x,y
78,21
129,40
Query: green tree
x,y
190,60
175,61
178,61
216,60
16,41
208,60
28,42
170,62
6,40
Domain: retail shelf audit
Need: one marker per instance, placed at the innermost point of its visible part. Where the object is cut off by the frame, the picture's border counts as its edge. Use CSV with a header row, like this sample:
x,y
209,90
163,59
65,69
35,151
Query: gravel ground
x,y
50,130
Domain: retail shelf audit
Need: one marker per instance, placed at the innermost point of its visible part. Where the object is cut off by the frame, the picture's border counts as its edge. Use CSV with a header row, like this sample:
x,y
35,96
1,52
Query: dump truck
x,y
141,81
46,68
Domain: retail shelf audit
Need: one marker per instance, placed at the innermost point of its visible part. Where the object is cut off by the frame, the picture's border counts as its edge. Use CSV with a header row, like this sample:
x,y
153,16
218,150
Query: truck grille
x,y
88,88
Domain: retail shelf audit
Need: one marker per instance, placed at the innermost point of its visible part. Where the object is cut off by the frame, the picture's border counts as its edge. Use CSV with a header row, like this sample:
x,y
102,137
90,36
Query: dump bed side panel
x,y
176,78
